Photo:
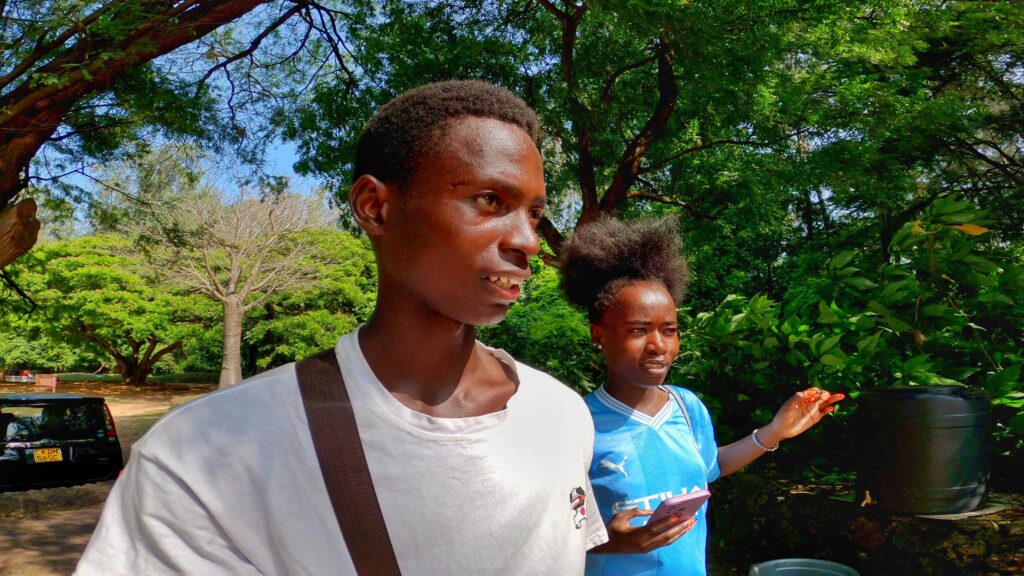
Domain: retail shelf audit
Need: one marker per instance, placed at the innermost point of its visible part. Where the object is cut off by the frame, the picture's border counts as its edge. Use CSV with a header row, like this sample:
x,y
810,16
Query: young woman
x,y
653,441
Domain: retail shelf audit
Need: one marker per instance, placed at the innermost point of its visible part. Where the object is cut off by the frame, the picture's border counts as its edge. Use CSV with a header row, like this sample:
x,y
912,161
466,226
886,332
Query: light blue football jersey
x,y
641,460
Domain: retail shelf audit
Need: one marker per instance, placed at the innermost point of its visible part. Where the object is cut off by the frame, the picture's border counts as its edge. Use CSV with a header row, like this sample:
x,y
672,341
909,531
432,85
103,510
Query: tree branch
x,y
253,45
655,166
609,84
31,113
629,165
655,197
43,49
551,234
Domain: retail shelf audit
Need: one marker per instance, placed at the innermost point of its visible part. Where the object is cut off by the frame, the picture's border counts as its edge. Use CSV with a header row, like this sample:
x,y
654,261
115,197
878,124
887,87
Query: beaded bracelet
x,y
753,436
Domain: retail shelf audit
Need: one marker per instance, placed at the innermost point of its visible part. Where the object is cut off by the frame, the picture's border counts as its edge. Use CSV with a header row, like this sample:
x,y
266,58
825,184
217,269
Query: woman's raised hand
x,y
803,410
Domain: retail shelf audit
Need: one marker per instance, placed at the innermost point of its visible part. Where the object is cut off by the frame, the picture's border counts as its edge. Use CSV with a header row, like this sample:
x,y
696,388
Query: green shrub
x,y
946,309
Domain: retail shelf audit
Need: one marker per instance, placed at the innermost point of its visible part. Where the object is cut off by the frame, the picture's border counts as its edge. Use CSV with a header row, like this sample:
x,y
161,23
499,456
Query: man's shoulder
x,y
253,406
542,387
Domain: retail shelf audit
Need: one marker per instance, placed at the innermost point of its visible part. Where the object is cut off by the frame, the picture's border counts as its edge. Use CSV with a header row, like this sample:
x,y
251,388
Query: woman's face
x,y
638,334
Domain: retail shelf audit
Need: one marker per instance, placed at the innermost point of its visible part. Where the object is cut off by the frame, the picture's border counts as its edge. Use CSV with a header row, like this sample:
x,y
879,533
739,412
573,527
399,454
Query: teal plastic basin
x,y
801,567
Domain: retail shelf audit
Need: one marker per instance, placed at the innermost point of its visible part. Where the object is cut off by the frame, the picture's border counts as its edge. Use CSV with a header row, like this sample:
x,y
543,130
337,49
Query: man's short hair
x,y
400,132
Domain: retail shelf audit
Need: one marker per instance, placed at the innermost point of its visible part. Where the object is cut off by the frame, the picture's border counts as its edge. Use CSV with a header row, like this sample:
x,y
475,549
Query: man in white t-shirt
x,y
479,462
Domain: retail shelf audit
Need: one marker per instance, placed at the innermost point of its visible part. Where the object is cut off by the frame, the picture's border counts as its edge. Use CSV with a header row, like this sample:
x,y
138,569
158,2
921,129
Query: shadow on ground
x,y
46,546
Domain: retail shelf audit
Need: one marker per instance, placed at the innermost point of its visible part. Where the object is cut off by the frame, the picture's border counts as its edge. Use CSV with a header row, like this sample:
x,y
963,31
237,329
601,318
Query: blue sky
x,y
281,156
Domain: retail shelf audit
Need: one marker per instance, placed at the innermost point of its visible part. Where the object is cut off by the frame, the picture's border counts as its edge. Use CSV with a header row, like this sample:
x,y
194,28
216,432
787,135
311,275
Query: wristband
x,y
753,436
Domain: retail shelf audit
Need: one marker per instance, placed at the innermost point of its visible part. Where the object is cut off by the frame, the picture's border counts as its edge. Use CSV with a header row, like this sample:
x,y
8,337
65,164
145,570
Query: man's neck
x,y
433,364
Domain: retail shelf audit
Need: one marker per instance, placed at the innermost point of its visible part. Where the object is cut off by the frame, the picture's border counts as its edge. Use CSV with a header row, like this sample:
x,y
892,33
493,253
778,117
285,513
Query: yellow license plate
x,y
47,455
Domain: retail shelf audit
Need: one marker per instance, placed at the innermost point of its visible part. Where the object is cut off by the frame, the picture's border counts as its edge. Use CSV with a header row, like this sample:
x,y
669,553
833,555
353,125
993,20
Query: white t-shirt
x,y
230,484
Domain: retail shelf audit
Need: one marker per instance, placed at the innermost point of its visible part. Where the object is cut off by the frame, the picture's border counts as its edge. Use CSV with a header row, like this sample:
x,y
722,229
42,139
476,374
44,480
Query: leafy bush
x,y
946,309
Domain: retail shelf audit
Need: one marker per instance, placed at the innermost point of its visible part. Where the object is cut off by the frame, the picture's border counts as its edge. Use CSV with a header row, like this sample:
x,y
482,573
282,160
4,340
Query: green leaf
x,y
831,360
980,264
892,287
1016,424
842,259
1003,381
813,343
864,322
860,283
934,310
848,271
829,343
869,343
887,317
919,362
994,297
826,316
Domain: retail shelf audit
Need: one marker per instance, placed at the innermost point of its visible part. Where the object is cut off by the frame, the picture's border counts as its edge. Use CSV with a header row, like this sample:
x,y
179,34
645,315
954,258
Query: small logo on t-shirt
x,y
578,504
620,467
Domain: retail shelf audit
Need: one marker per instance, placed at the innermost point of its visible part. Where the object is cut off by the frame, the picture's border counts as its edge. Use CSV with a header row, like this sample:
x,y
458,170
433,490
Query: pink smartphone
x,y
683,506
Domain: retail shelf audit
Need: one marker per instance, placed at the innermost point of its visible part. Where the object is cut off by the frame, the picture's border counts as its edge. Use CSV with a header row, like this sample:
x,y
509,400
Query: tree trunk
x,y
18,230
886,235
133,371
231,361
137,368
807,215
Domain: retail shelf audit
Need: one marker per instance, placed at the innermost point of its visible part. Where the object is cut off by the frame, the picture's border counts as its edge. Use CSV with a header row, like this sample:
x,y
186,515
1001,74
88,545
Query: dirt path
x,y
48,545
43,532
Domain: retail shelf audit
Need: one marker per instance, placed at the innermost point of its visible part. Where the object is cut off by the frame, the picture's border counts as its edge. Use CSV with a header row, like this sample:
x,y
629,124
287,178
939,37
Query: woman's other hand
x,y
626,539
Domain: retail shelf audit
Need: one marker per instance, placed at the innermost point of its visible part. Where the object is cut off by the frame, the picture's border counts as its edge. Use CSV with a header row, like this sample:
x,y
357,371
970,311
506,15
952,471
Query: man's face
x,y
460,233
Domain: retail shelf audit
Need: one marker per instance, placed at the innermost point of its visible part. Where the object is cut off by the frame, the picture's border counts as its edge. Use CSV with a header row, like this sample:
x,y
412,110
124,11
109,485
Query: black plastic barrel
x,y
923,450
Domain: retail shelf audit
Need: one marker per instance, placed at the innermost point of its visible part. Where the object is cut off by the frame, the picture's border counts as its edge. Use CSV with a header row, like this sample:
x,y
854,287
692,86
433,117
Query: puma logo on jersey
x,y
621,466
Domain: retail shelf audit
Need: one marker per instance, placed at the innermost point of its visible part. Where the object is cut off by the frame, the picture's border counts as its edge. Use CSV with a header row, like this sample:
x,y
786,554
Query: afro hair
x,y
607,254
400,132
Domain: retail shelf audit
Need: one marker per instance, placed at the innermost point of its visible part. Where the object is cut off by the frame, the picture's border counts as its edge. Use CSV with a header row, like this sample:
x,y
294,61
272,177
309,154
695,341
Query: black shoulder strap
x,y
343,465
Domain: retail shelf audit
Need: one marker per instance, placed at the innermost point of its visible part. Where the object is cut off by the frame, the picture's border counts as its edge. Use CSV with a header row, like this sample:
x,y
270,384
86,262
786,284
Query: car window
x,y
54,421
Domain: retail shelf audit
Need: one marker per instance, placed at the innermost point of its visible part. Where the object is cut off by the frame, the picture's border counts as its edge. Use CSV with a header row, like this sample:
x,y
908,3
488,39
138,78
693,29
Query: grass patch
x,y
177,378
86,377
34,503
186,378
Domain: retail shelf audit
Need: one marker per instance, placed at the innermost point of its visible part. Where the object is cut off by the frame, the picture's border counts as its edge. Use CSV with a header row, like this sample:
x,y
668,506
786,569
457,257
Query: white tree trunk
x,y
231,362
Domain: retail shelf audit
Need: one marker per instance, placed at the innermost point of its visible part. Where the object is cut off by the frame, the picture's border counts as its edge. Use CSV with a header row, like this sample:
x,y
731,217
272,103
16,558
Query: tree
x,y
238,251
62,60
624,92
779,130
82,82
299,322
93,291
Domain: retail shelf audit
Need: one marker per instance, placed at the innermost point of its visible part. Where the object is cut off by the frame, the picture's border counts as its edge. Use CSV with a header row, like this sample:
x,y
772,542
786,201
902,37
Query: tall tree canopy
x,y
94,292
748,117
80,81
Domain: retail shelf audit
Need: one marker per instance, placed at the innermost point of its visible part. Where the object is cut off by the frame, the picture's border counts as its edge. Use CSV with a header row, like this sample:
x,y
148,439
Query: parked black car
x,y
56,440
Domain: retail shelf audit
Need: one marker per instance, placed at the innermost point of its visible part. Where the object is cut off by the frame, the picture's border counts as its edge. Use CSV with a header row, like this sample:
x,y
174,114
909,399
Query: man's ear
x,y
597,335
370,200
